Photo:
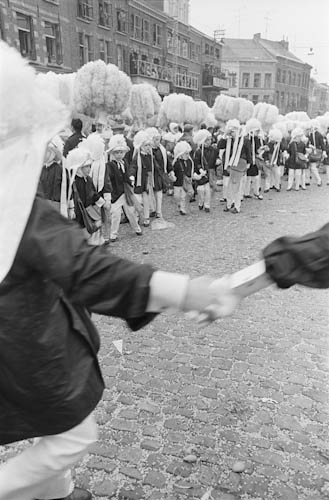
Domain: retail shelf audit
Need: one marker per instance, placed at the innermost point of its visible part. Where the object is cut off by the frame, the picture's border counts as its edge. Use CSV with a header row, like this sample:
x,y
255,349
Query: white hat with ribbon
x,y
30,117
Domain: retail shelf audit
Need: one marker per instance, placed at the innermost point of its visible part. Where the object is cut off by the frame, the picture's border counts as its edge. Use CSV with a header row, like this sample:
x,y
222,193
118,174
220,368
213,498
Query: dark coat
x,y
292,150
51,181
118,178
87,193
146,169
319,141
50,378
182,168
72,142
208,159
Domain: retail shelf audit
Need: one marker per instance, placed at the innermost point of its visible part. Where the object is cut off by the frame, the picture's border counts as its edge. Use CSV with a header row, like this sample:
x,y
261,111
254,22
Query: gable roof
x,y
240,49
278,50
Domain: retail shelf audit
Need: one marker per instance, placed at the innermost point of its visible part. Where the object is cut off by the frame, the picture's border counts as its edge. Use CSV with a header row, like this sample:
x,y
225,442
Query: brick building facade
x,y
142,40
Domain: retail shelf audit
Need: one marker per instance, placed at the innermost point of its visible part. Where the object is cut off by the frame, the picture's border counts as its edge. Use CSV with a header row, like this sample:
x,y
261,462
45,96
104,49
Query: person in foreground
x,y
50,282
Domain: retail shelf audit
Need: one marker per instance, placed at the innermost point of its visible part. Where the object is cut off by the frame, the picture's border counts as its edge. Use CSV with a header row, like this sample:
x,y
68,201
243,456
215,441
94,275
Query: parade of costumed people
x,y
83,153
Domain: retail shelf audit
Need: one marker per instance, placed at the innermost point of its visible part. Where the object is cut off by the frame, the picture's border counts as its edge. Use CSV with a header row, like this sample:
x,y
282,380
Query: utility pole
x,y
267,19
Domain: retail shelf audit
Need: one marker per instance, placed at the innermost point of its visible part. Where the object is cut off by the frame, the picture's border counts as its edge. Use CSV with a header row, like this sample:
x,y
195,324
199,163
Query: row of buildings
x,y
152,41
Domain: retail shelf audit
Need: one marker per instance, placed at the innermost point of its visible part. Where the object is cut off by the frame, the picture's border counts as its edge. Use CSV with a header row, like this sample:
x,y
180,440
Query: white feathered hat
x,y
201,136
275,135
172,127
118,143
252,125
180,149
169,137
78,157
233,124
30,117
297,132
141,138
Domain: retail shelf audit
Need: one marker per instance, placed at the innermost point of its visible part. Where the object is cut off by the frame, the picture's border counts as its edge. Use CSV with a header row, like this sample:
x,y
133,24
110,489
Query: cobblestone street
x,y
183,406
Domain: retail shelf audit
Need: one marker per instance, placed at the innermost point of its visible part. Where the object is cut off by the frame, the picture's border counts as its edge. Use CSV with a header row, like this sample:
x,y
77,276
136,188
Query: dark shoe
x,y
146,223
223,200
319,184
247,196
304,189
158,216
106,243
307,183
113,240
192,199
288,189
152,214
182,212
226,209
267,190
207,209
139,233
277,189
78,494
235,211
259,196
200,207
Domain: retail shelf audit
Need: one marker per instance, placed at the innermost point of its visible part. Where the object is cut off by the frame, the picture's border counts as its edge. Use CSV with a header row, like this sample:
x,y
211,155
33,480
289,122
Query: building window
x,y
157,35
105,50
206,48
283,80
299,80
85,9
232,80
278,75
198,52
257,78
90,48
244,96
26,35
192,51
294,78
136,27
268,80
104,13
217,52
121,21
255,99
184,48
53,43
146,31
266,98
211,50
245,80
81,49
289,77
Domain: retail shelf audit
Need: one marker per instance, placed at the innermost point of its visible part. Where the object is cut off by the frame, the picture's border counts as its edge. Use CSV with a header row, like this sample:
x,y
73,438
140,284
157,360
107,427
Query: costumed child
x,y
225,143
297,162
316,145
239,161
142,171
160,169
87,201
122,184
182,174
50,183
207,154
202,138
168,141
253,180
272,158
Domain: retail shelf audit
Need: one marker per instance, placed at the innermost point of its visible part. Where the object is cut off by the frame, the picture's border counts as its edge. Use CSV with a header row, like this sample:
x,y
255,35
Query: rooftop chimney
x,y
257,37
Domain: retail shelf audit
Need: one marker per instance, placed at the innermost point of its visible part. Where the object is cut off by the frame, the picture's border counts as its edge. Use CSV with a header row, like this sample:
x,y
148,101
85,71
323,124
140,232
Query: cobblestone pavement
x,y
251,388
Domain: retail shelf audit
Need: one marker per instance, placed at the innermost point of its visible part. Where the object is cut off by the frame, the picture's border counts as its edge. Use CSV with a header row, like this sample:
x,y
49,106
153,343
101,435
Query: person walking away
x,y
182,174
297,161
202,139
253,129
316,144
120,182
74,139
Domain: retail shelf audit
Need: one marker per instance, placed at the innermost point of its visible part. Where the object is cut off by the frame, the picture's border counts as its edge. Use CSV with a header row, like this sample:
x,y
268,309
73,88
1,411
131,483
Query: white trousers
x,y
315,173
116,209
272,177
106,223
298,176
226,180
235,192
180,197
204,195
144,200
42,470
252,182
158,202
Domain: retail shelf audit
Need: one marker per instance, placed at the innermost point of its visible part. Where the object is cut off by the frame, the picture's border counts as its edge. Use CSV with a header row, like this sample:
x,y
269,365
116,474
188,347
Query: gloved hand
x,y
208,299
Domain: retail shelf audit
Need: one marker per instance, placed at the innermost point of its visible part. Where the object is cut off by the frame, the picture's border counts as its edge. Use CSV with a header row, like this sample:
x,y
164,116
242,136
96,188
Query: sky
x,y
305,23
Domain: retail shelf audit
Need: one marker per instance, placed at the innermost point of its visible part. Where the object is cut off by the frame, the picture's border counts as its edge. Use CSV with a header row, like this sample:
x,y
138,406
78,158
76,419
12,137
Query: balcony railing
x,y
187,81
151,70
214,81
